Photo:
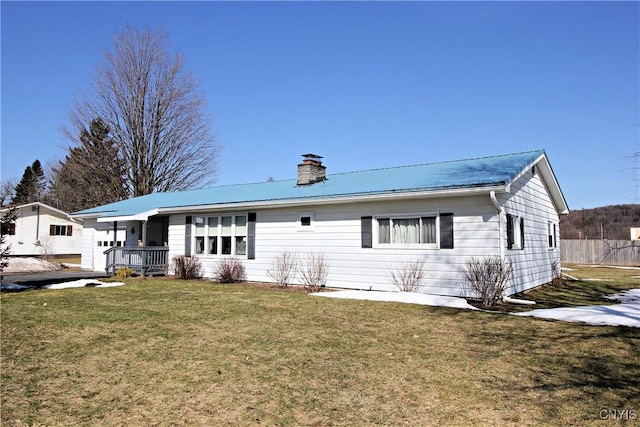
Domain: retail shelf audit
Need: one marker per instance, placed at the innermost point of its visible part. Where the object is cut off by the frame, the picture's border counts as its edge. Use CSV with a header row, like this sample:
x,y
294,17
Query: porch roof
x,y
475,173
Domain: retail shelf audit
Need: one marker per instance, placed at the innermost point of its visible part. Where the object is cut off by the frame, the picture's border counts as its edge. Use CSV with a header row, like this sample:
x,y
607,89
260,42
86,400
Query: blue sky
x,y
364,84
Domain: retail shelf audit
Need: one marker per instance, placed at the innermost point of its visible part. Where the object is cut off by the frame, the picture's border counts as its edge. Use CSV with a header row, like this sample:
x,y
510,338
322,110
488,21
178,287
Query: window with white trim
x,y
552,227
408,230
515,232
221,235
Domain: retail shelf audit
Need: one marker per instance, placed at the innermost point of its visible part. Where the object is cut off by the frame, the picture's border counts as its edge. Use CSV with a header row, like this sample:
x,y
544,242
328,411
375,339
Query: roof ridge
x,y
441,162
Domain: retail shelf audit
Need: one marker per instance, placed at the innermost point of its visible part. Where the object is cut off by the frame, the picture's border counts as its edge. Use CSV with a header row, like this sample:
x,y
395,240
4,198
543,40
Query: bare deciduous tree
x,y
155,112
7,191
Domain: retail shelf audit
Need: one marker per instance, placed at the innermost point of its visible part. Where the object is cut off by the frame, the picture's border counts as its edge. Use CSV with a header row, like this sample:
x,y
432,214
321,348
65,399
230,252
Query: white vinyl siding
x,y
337,235
529,199
33,232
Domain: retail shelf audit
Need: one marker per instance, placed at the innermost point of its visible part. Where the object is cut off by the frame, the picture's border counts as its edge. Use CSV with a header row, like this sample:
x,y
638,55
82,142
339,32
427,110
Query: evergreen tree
x,y
91,174
6,220
32,186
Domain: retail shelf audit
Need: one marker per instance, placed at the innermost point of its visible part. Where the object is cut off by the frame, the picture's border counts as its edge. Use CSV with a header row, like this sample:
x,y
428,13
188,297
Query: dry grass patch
x,y
163,352
593,284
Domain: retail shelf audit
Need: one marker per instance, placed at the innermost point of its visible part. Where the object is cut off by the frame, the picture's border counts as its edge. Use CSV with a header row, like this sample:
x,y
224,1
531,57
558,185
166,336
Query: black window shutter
x,y
69,230
251,236
521,233
187,235
366,227
509,231
446,231
52,230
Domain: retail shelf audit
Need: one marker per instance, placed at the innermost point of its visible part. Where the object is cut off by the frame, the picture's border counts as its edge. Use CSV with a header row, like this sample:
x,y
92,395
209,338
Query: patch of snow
x,y
627,314
29,265
628,296
70,265
405,297
83,283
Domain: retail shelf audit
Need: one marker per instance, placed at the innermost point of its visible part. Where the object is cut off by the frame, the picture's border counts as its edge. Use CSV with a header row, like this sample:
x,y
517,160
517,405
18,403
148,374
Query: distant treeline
x,y
609,222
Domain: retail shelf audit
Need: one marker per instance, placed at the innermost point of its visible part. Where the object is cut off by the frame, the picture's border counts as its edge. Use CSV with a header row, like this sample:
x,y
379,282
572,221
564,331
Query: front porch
x,y
143,260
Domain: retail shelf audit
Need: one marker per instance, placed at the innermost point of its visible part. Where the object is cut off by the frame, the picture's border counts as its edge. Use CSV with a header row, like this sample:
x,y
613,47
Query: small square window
x,y
305,220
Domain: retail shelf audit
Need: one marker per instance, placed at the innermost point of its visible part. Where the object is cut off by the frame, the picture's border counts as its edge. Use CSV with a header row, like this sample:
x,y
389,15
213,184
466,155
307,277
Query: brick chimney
x,y
311,170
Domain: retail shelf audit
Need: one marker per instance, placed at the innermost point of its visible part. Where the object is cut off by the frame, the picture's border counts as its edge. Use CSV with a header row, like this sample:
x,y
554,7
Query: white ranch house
x,y
41,229
365,223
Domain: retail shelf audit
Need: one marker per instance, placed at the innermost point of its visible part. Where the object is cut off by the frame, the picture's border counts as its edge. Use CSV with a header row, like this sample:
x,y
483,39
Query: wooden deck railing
x,y
142,259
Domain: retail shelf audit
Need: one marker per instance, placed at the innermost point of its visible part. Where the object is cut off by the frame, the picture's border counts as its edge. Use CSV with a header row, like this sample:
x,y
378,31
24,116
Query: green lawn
x,y
165,352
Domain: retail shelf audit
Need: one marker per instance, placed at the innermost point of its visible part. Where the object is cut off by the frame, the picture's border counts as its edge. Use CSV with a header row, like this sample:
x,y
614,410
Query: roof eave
x,y
549,180
44,205
335,200
142,216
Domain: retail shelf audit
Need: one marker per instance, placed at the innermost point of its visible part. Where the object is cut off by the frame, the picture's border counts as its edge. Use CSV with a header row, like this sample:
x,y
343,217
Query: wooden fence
x,y
605,252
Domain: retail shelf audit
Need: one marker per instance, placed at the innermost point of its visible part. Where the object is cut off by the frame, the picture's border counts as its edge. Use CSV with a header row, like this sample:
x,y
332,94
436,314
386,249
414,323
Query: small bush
x,y
409,276
487,278
186,268
230,270
314,273
125,272
283,269
46,247
556,273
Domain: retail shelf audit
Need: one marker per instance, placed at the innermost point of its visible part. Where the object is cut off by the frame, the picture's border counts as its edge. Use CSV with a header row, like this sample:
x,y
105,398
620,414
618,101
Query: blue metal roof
x,y
470,173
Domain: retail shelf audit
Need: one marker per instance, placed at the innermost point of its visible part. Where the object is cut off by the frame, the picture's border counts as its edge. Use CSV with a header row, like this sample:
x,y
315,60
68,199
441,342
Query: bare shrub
x,y
487,278
283,269
46,247
186,268
230,270
409,276
314,272
556,273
